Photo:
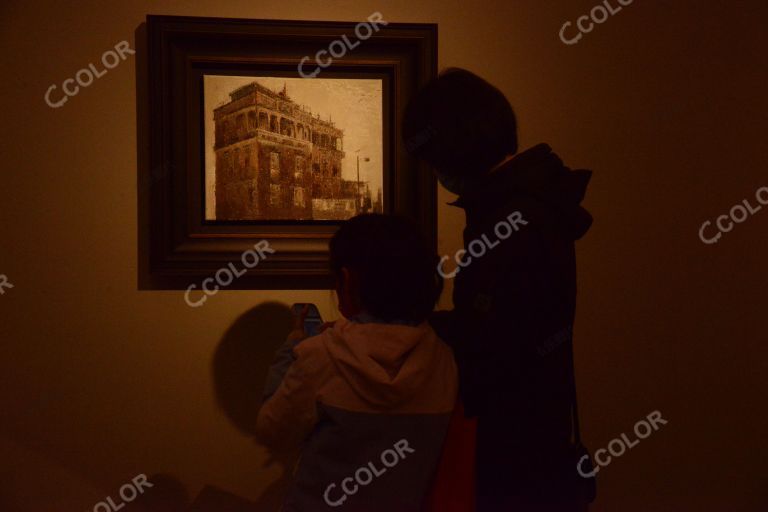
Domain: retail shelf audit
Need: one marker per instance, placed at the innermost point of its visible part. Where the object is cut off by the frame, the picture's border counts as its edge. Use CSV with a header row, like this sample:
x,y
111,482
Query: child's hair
x,y
396,265
460,124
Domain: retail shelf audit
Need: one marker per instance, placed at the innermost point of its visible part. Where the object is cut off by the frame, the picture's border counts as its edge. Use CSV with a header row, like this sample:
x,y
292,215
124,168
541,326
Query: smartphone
x,y
312,321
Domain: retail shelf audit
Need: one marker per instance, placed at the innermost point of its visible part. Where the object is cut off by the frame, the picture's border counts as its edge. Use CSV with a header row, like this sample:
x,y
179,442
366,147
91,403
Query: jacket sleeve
x,y
283,360
290,414
445,325
487,291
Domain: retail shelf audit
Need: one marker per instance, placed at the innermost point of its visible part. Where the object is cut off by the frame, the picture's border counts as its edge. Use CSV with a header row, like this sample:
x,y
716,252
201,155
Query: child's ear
x,y
348,289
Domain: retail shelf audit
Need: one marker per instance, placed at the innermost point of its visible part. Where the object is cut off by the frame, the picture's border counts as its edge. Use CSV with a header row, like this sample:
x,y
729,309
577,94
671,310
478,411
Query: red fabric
x,y
453,489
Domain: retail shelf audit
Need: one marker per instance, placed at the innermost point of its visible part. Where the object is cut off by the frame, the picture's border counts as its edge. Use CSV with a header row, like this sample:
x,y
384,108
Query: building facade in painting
x,y
276,160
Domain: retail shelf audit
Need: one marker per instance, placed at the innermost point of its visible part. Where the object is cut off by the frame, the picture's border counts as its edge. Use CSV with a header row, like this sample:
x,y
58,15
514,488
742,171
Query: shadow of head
x,y
242,360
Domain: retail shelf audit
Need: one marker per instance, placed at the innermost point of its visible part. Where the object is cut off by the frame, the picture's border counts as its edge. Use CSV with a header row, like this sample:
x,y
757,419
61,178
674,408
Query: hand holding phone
x,y
307,320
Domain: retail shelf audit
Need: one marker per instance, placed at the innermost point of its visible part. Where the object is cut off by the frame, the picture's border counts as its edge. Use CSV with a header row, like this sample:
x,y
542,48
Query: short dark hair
x,y
460,124
396,266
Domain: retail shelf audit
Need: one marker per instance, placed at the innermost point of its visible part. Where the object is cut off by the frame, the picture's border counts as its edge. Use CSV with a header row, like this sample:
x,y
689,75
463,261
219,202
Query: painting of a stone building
x,y
276,159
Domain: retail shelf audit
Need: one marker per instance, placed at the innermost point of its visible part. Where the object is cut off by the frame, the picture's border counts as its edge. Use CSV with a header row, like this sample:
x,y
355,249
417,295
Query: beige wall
x,y
665,101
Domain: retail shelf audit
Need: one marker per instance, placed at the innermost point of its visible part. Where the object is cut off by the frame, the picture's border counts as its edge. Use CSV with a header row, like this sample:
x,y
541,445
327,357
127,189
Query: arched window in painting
x,y
226,166
241,128
274,195
230,135
263,120
299,197
226,131
298,174
274,166
252,123
286,127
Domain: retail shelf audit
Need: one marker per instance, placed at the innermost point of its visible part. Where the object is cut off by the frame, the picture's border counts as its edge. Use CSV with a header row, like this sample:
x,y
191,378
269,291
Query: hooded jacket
x,y
372,402
511,326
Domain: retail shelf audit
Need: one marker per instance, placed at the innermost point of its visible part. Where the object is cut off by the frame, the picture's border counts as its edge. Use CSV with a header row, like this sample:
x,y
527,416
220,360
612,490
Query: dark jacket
x,y
514,311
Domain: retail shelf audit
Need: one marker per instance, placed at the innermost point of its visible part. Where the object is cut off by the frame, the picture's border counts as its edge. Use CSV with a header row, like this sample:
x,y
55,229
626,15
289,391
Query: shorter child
x,y
370,397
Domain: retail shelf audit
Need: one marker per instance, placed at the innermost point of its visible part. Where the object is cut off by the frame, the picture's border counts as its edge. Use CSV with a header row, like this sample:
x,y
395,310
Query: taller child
x,y
515,288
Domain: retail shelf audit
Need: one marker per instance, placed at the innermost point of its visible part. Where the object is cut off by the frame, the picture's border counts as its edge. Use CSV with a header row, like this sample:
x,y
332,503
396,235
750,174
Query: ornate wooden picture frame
x,y
238,161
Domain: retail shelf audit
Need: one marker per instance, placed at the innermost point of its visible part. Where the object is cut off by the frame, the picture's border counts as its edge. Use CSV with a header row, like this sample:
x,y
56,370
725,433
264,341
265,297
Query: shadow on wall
x,y
242,360
240,366
167,494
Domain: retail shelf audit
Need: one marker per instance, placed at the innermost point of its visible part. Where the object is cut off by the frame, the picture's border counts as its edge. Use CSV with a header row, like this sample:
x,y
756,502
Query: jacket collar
x,y
496,185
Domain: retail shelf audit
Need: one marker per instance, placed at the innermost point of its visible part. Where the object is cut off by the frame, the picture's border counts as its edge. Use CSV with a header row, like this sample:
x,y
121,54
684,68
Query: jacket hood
x,y
384,363
540,174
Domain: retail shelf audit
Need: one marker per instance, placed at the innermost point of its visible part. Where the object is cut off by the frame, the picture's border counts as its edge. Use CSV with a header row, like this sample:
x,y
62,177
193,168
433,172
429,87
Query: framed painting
x,y
270,133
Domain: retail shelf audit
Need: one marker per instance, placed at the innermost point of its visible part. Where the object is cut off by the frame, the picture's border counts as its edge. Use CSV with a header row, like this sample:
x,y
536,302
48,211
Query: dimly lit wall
x,y
665,101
